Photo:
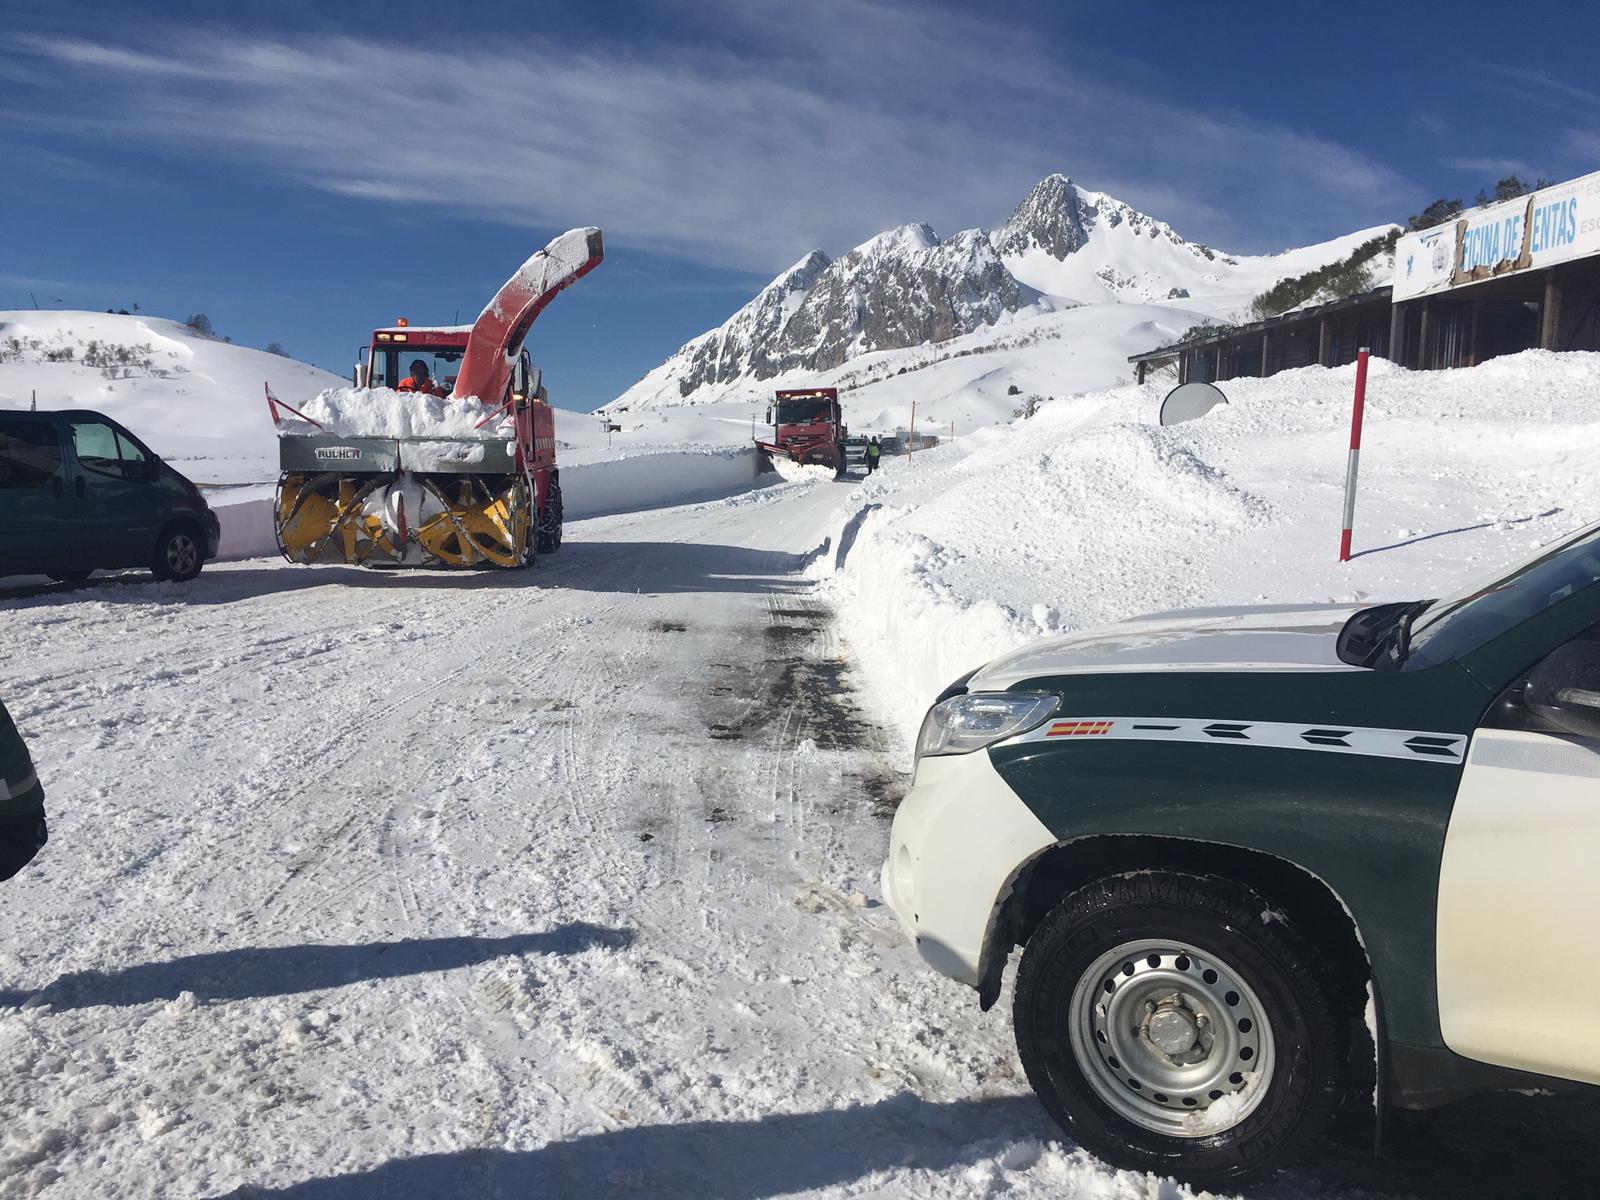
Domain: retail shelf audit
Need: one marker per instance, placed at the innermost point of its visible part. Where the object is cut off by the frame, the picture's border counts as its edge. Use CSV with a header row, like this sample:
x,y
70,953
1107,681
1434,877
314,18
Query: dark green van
x,y
78,492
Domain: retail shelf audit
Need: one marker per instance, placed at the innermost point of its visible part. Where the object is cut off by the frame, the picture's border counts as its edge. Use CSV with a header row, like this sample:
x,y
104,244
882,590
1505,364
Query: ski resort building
x,y
1326,334
1513,276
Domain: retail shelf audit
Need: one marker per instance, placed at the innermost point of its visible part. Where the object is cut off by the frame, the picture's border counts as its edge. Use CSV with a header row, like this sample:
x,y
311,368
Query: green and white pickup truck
x,y
1227,840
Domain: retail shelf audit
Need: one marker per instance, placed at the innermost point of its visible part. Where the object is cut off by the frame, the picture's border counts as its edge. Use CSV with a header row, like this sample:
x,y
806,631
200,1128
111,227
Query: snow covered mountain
x,y
907,290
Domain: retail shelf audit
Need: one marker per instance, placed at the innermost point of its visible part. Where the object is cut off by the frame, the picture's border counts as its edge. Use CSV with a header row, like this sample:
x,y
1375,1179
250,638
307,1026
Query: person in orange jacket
x,y
420,381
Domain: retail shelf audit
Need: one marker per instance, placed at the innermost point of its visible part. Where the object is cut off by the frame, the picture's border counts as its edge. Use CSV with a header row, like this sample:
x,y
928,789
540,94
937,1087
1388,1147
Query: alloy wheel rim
x,y
181,554
1172,1038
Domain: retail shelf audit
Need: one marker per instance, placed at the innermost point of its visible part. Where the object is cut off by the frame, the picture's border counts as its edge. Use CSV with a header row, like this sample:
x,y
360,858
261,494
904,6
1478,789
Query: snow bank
x,y
1091,512
657,480
384,412
246,530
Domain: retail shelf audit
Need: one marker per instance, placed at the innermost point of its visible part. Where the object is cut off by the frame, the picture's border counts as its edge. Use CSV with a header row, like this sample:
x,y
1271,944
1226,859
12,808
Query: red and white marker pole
x,y
1355,456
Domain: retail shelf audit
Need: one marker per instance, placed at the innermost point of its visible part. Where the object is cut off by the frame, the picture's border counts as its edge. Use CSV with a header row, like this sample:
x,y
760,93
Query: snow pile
x,y
795,472
1090,512
384,412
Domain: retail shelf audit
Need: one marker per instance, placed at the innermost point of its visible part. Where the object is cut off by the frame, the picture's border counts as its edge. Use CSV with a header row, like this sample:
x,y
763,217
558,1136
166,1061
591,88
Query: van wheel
x,y
178,555
1169,1027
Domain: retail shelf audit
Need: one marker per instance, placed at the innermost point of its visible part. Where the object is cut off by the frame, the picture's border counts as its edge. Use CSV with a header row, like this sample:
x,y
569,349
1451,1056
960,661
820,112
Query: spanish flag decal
x,y
1078,728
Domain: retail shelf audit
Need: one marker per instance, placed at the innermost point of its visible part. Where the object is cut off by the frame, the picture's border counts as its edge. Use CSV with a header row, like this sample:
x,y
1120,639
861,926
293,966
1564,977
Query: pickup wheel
x,y
1174,1023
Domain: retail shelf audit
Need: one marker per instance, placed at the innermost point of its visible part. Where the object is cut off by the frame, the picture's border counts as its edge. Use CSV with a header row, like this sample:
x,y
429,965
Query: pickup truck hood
x,y
1297,638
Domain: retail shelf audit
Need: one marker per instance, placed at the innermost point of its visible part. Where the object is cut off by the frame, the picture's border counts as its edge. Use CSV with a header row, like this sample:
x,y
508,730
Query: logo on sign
x,y
338,453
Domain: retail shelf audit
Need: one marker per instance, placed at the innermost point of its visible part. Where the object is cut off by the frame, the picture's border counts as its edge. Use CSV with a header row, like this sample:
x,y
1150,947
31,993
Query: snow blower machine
x,y
807,428
444,451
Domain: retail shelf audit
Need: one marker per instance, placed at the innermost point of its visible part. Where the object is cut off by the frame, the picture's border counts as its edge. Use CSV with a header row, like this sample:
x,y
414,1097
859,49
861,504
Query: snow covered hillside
x,y
198,401
1080,277
1091,511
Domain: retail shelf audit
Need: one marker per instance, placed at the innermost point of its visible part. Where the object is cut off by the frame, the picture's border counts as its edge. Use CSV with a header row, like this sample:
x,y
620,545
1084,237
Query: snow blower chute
x,y
444,452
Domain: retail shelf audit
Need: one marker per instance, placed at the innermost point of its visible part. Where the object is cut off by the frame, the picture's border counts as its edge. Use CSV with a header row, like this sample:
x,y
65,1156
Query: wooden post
x,y
1397,333
1138,372
911,435
1222,360
1472,332
1266,354
1425,338
1550,313
1324,342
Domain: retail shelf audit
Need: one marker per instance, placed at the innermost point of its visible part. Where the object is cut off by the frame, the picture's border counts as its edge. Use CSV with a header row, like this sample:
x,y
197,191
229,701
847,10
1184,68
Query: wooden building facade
x,y
1327,334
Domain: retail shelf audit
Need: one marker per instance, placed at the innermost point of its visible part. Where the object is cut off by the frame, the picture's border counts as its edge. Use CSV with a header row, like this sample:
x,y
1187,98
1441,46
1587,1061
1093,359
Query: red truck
x,y
807,427
485,493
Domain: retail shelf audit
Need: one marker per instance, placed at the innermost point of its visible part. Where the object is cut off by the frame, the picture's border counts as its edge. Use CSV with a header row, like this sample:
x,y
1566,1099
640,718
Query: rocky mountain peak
x,y
1059,217
908,286
905,239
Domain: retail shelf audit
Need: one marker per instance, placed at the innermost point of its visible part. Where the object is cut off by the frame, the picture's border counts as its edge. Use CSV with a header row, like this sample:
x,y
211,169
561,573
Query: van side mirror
x,y
1564,689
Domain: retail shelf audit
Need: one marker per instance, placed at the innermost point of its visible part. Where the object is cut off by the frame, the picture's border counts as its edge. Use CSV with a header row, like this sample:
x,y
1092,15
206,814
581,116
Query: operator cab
x,y
804,408
387,361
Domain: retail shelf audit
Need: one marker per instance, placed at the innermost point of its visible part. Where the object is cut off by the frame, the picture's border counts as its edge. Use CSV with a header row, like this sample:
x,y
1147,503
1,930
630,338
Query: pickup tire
x,y
1176,1023
180,553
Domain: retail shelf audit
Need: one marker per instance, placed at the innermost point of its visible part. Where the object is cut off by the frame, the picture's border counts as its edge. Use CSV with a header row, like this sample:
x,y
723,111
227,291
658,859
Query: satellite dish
x,y
1188,401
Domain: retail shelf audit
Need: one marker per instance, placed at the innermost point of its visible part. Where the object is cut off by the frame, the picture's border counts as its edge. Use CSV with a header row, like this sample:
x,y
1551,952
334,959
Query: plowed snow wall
x,y
657,480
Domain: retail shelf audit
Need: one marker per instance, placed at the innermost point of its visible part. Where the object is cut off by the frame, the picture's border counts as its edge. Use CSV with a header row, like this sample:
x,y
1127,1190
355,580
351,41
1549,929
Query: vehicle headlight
x,y
966,723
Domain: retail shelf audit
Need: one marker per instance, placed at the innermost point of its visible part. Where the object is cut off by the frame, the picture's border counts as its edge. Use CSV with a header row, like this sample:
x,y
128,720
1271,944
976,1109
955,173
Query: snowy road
x,y
561,884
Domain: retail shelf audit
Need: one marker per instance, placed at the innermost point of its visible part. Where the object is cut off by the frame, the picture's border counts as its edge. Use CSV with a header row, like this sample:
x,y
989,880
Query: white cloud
x,y
806,125
1494,168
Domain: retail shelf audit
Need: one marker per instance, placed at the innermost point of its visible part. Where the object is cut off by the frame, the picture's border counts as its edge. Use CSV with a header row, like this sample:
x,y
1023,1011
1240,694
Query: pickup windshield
x,y
1449,628
803,412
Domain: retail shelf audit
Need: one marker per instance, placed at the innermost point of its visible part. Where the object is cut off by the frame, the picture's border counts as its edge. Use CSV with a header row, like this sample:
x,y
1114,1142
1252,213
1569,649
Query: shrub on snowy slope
x,y
1092,512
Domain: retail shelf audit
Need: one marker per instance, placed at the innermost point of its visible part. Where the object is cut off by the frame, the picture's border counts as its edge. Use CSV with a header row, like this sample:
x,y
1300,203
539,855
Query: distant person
x,y
874,453
421,381
22,828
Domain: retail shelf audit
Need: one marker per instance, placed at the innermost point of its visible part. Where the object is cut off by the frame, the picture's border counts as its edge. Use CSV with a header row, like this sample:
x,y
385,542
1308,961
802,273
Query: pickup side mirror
x,y
769,415
1564,689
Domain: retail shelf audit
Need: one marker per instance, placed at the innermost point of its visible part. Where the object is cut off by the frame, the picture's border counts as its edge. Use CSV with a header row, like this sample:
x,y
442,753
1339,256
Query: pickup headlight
x,y
966,723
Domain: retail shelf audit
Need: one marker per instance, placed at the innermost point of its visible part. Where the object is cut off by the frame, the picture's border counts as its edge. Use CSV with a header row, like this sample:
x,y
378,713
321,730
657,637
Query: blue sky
x,y
302,172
